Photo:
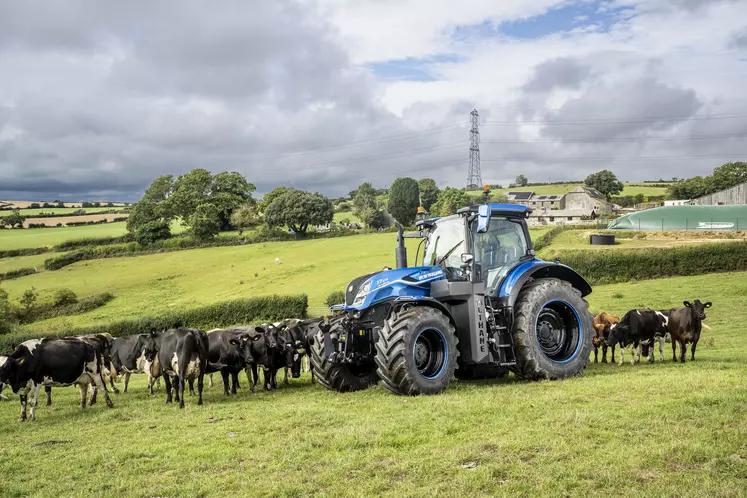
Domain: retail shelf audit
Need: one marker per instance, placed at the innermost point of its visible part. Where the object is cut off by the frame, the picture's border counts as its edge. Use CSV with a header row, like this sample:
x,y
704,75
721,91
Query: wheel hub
x,y
429,353
557,331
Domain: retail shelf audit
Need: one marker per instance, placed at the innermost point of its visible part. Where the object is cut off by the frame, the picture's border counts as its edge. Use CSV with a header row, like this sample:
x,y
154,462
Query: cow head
x,y
14,371
244,344
616,334
148,345
697,308
263,343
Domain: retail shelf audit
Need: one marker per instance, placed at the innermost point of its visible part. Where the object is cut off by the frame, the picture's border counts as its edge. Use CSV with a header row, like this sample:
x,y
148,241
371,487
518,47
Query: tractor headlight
x,y
361,295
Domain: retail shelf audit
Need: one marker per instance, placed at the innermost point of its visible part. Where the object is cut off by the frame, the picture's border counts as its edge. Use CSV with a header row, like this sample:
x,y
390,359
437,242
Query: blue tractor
x,y
479,305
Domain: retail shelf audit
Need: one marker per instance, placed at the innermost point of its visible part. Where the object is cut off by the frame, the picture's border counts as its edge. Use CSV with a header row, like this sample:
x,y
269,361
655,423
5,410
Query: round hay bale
x,y
599,239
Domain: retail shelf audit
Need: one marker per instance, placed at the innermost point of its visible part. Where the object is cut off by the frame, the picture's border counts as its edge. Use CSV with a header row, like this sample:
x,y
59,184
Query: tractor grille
x,y
352,288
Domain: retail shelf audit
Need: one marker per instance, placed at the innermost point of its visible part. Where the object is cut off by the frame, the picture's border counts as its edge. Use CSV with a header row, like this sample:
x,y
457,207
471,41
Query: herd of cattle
x,y
183,355
642,328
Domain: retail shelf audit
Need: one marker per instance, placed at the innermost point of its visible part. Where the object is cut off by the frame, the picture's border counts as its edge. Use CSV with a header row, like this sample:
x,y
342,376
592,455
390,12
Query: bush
x,y
64,297
20,272
149,232
610,266
336,297
67,259
235,312
12,253
77,243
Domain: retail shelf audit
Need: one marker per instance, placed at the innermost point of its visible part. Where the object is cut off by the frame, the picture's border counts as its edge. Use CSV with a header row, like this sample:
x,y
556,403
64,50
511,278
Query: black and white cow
x,y
134,354
230,352
302,334
55,362
3,397
182,355
636,327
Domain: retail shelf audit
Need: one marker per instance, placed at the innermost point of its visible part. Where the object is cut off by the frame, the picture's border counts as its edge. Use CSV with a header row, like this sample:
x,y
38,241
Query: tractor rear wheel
x,y
552,327
340,377
416,351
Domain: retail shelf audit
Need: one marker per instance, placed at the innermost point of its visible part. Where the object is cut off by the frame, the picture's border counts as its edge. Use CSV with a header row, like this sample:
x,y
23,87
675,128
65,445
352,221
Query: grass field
x,y
666,429
579,239
45,237
37,260
67,210
559,189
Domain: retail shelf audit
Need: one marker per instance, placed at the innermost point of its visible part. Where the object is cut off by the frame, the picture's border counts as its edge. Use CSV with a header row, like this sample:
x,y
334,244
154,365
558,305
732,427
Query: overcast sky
x,y
97,98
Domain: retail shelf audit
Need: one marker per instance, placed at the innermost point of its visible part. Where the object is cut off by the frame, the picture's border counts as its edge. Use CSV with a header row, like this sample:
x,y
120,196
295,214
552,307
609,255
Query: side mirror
x,y
483,218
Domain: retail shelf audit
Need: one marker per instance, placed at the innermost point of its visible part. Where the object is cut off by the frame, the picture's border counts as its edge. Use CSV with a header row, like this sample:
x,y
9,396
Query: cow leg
x,y
635,354
224,375
167,383
660,340
596,352
191,383
48,392
234,381
683,351
34,400
210,381
98,379
674,351
127,380
692,350
23,399
83,395
613,354
255,377
111,383
180,385
266,379
274,378
622,355
92,388
285,375
200,384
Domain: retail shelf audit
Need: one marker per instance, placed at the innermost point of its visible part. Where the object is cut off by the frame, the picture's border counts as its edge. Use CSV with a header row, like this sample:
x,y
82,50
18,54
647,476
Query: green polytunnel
x,y
671,218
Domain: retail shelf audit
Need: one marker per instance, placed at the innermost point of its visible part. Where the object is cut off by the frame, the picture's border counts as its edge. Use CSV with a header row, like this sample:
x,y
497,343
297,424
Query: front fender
x,y
517,277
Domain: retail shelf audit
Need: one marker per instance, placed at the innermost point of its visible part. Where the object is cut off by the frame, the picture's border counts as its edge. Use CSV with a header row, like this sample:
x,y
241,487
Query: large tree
x,y
449,201
14,219
366,208
244,217
404,199
728,175
271,196
150,217
521,181
298,210
205,222
690,188
605,182
428,192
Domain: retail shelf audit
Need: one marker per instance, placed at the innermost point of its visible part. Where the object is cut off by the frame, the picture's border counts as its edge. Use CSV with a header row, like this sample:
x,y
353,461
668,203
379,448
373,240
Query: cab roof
x,y
501,209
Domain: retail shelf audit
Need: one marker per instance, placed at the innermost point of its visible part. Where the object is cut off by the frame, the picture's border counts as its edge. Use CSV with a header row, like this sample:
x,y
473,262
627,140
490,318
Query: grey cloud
x,y
557,73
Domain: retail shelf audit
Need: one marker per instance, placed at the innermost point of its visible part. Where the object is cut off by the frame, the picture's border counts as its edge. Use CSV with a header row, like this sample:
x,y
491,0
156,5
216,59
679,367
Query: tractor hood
x,y
366,291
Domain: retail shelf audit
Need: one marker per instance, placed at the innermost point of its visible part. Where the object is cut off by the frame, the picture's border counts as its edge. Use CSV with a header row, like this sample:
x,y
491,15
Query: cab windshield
x,y
498,249
445,243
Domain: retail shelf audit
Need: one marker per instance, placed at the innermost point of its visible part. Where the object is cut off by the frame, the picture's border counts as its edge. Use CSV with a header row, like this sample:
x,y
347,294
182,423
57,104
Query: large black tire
x,y
552,330
340,377
416,351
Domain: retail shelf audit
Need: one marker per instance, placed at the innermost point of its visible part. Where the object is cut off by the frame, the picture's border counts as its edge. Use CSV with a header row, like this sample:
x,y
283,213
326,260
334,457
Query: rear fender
x,y
541,269
427,301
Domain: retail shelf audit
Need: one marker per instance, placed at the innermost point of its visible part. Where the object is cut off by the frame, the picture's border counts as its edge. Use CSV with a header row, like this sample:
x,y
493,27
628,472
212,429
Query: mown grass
x,y
579,239
666,429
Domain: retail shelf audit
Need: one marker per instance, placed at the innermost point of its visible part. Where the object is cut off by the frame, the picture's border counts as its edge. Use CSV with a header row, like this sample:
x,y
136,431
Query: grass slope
x,y
44,237
651,430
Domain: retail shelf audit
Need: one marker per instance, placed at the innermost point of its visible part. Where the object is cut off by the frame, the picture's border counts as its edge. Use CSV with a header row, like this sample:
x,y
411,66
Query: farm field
x,y
65,210
45,237
559,189
64,220
665,429
36,260
579,239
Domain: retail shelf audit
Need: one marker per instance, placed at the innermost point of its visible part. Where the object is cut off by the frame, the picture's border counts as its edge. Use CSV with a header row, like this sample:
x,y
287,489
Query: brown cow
x,y
601,325
685,325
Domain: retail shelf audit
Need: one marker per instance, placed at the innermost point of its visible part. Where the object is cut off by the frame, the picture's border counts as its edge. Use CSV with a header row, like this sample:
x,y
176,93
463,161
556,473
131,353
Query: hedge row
x,y
29,251
237,311
99,241
611,266
20,272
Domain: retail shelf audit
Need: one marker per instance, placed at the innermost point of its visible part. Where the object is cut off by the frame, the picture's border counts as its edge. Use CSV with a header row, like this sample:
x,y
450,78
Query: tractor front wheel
x,y
340,377
552,327
416,351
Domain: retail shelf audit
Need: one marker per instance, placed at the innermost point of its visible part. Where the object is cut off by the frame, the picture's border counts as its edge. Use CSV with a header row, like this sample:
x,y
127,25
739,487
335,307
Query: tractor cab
x,y
479,245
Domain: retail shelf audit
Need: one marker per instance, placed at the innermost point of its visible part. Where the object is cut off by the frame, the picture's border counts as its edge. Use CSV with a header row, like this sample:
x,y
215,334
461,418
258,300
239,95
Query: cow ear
x,y
707,305
686,303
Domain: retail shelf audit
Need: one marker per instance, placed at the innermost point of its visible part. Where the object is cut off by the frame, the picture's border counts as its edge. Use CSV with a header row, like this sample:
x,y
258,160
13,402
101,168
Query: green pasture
x,y
666,429
34,261
66,210
562,188
45,237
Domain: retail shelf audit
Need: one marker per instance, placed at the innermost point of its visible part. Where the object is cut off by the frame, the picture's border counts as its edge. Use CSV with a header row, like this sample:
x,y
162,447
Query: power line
x,y
612,139
650,119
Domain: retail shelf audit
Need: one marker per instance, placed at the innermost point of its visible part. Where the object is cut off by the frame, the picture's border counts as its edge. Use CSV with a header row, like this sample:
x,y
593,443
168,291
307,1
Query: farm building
x,y
729,197
579,205
672,218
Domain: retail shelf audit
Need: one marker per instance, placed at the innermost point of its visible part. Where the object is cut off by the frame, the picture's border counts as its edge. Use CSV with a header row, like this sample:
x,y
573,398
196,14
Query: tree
x,y
204,224
690,188
244,217
150,217
271,196
364,204
605,182
449,201
298,210
14,219
428,192
229,191
189,191
27,300
728,175
521,181
404,199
